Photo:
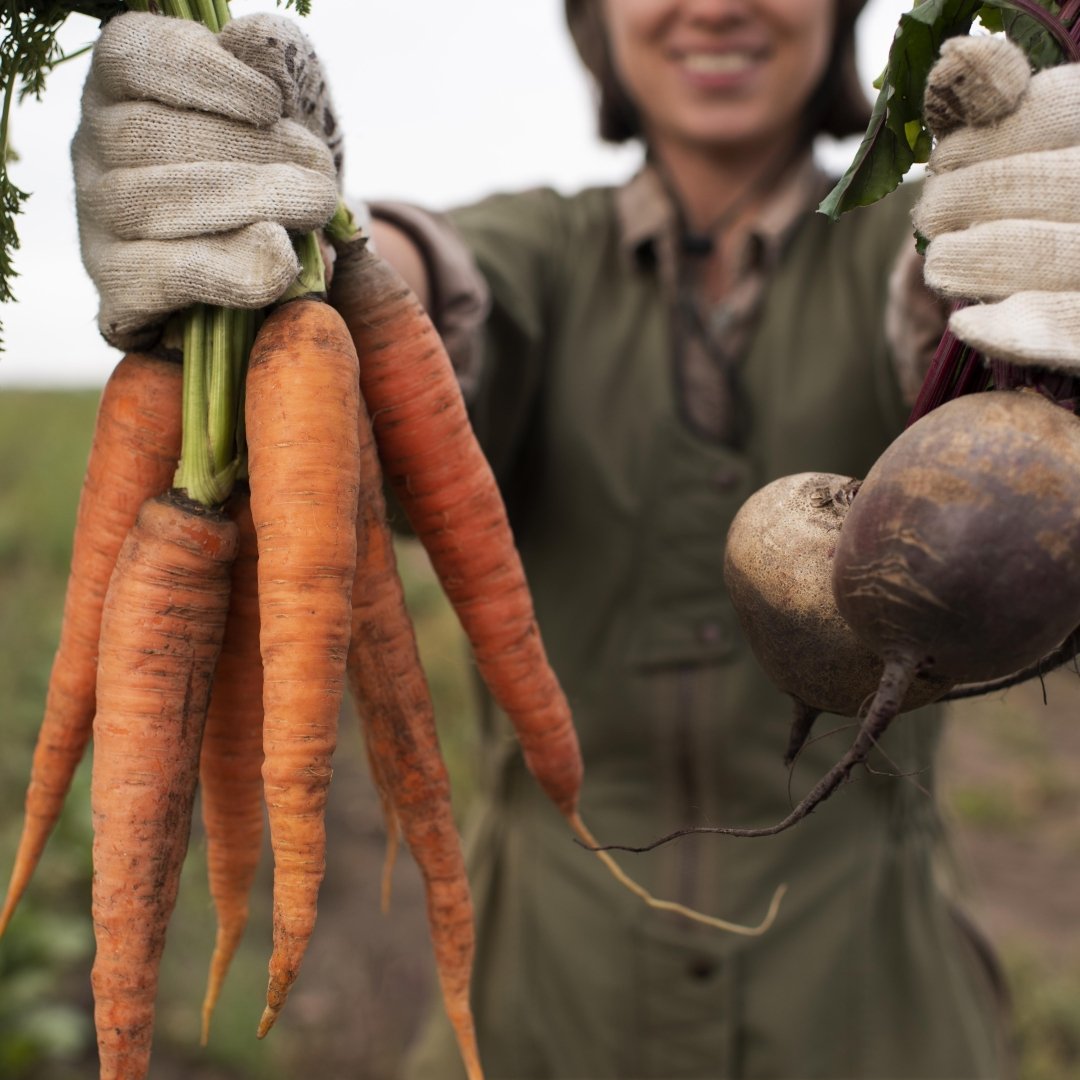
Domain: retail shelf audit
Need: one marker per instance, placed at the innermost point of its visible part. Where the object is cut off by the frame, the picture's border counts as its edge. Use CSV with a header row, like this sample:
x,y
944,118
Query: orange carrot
x,y
230,769
161,631
302,403
447,489
377,772
133,455
398,717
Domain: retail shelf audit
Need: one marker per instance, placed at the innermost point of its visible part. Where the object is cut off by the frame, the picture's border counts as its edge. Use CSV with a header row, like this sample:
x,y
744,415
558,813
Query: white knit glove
x,y
1001,206
194,155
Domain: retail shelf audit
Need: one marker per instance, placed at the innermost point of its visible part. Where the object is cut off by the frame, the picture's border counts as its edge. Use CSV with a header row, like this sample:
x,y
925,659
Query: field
x,y
1011,787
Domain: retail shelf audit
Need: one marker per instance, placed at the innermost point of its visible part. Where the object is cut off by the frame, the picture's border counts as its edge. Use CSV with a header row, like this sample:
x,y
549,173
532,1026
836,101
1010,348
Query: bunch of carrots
x,y
232,571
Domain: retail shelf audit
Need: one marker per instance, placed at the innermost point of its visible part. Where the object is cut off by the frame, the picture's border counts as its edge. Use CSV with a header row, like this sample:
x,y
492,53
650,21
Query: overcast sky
x,y
441,102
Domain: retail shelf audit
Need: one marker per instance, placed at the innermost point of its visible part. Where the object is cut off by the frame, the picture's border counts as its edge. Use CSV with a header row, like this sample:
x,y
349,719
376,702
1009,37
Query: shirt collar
x,y
647,216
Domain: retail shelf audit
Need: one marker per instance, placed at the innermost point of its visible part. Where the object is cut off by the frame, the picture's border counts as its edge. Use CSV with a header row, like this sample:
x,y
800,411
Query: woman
x,y
653,355
639,360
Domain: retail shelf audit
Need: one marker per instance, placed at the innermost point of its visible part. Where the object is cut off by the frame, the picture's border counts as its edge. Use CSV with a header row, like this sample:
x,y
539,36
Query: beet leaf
x,y
897,136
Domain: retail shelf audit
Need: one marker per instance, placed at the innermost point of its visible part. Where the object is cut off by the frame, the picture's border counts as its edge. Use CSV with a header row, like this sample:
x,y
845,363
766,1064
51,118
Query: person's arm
x,y
402,252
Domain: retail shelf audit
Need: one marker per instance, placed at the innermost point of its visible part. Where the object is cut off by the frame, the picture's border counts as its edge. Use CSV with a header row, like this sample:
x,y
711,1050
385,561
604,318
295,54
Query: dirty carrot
x,y
161,631
447,490
446,487
381,783
230,768
132,456
301,412
398,724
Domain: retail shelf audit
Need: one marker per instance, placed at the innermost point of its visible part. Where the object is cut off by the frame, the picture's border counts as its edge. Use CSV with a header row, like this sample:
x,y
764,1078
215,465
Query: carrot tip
x,y
207,1014
267,1022
5,916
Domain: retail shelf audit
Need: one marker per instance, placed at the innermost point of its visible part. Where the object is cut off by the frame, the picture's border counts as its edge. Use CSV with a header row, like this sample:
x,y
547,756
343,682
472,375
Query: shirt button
x,y
701,968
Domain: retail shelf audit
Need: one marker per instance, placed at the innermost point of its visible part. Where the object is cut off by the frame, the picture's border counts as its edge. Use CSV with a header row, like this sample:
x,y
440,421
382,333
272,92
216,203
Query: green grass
x,y
1047,1018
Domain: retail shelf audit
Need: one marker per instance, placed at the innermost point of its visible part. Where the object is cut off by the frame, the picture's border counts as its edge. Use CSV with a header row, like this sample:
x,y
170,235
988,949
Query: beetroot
x,y
958,560
961,554
778,573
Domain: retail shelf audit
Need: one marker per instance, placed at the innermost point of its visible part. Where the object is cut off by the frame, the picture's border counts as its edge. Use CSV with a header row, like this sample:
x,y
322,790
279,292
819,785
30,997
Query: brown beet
x,y
958,558
961,554
778,573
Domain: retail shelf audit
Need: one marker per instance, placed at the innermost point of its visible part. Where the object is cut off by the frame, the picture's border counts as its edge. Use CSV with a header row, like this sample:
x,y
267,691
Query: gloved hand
x,y
1001,205
194,155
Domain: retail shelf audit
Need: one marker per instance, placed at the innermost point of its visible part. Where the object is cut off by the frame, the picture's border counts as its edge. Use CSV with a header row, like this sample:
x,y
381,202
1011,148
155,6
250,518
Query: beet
x,y
778,573
961,554
958,560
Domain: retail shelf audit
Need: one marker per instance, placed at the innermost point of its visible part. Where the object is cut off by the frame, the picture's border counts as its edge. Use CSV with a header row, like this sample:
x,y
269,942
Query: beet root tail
x,y
802,723
895,680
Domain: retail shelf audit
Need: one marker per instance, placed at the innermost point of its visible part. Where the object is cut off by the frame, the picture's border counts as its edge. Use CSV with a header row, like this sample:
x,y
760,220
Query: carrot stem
x,y
342,227
311,281
207,13
223,388
180,9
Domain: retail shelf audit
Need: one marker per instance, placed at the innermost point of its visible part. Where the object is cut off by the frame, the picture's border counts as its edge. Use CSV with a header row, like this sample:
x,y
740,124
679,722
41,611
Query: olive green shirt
x,y
620,499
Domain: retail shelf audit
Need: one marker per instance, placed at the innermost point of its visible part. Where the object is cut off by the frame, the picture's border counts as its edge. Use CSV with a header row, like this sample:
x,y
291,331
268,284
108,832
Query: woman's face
x,y
720,74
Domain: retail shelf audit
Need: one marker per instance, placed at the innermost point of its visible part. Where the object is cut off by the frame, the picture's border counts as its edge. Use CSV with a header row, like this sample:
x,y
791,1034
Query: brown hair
x,y
838,106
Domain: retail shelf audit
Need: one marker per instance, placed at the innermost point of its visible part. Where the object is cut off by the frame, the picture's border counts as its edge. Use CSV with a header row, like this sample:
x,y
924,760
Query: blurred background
x,y
442,103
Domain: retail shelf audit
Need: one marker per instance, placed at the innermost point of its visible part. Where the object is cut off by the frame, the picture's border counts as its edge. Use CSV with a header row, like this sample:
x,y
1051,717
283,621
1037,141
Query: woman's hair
x,y
838,107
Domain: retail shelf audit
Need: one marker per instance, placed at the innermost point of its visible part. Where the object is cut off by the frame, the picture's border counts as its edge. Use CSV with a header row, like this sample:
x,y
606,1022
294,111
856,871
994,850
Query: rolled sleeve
x,y
460,297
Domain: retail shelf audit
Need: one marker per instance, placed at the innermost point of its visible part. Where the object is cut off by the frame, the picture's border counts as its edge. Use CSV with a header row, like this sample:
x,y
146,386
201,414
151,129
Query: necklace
x,y
701,243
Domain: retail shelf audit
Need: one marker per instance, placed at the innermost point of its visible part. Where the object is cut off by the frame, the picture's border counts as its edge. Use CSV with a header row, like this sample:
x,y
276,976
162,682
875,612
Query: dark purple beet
x,y
958,559
960,555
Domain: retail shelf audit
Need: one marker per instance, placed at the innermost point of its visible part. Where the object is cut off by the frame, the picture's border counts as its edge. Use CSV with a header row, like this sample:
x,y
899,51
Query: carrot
x,y
161,631
301,413
133,454
398,722
445,485
230,768
377,771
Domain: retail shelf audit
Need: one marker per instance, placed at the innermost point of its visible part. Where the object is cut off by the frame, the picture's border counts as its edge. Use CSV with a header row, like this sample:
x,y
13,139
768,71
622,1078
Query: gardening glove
x,y
195,154
1001,206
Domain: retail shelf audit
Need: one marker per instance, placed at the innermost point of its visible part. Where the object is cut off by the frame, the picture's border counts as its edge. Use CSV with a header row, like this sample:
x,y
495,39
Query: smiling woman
x,y
730,81
638,358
